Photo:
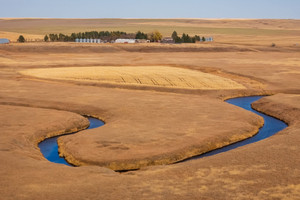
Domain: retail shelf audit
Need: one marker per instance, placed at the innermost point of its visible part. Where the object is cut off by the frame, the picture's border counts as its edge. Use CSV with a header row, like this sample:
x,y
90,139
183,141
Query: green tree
x,y
176,38
21,39
156,36
61,37
141,35
53,37
73,37
174,35
186,38
183,37
203,39
46,38
193,40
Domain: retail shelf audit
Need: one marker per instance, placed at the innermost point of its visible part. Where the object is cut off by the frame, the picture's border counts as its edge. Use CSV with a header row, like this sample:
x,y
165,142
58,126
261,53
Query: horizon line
x,y
12,18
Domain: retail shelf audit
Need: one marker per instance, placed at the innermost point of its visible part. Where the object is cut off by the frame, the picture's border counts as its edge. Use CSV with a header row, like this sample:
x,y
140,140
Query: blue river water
x,y
271,126
49,147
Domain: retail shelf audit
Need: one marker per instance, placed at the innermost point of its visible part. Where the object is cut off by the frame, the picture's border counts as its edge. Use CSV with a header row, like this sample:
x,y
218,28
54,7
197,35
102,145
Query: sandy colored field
x,y
147,126
14,36
159,76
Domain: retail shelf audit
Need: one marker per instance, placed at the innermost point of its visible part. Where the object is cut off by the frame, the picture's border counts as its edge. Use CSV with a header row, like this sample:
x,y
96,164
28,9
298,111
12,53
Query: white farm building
x,y
126,41
4,41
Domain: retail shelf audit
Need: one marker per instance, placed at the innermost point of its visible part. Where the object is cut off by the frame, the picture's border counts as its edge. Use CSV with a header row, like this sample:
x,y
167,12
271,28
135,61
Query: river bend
x,y
49,147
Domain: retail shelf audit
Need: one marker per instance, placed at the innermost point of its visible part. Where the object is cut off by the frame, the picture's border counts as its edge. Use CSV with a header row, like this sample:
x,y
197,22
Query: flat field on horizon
x,y
234,31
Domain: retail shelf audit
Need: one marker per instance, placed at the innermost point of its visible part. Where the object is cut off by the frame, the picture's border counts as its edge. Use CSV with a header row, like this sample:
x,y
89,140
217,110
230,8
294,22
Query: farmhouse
x,y
168,40
126,41
4,41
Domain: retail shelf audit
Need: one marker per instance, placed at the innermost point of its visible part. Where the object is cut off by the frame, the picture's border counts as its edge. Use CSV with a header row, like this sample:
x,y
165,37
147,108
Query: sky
x,y
274,9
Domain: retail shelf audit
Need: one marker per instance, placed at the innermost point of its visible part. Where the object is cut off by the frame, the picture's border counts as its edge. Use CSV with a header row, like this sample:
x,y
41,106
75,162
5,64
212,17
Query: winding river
x,y
49,146
271,126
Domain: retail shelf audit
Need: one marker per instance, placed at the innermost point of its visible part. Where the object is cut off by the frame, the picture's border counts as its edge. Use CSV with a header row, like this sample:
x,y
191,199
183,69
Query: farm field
x,y
159,76
161,104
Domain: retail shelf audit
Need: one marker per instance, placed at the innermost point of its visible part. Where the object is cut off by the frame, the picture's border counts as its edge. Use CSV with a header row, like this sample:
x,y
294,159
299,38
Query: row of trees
x,y
103,35
141,35
113,35
185,38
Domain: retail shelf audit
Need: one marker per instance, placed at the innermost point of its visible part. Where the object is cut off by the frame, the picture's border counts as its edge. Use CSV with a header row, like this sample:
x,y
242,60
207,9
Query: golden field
x,y
161,104
159,76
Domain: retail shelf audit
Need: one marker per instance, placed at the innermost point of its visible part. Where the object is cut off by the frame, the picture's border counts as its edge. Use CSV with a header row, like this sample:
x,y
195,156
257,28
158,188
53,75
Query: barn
x,y
4,41
126,41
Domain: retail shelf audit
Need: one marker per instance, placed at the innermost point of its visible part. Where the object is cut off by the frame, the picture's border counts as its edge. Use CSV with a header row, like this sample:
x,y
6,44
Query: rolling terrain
x,y
161,103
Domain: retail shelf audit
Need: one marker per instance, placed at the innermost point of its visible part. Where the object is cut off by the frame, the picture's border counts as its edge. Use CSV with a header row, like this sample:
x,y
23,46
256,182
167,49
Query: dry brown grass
x,y
159,76
144,124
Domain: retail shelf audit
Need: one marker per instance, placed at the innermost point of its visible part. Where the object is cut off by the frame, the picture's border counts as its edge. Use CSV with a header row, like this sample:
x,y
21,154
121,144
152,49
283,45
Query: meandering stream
x,y
49,146
271,126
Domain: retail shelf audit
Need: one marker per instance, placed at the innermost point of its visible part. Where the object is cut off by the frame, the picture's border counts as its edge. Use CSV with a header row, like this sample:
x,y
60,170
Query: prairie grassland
x,y
165,30
157,76
13,36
